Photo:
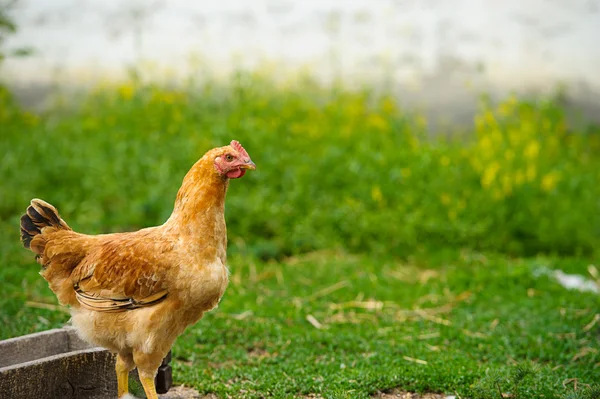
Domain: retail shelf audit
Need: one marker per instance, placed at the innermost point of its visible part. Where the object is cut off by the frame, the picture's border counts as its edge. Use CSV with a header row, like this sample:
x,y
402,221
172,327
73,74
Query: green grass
x,y
464,314
417,257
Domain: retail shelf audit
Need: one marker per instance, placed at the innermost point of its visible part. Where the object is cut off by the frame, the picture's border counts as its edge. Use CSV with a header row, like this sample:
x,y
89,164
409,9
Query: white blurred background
x,y
438,55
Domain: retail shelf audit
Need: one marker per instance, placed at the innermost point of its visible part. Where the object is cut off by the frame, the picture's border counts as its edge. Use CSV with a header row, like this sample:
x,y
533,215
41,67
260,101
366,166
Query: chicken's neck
x,y
200,205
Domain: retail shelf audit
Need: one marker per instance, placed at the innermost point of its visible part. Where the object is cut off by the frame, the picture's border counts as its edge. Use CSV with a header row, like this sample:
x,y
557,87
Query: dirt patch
x,y
259,353
181,392
394,394
397,394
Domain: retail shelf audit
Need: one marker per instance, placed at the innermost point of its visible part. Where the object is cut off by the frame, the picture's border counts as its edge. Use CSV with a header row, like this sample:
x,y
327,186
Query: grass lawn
x,y
340,286
346,326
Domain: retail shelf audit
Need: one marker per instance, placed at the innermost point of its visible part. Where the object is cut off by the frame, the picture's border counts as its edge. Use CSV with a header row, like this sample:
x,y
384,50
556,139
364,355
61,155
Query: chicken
x,y
134,293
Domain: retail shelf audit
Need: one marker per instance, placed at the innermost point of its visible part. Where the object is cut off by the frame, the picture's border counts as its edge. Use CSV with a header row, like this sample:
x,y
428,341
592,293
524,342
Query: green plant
x,y
533,168
589,392
516,382
337,168
592,392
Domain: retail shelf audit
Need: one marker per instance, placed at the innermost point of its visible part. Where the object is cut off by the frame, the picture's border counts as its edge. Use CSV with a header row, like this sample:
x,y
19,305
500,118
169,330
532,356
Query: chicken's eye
x,y
229,157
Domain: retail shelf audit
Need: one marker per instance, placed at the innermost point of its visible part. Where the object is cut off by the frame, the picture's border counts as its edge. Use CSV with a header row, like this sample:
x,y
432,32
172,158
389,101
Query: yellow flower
x,y
504,109
405,172
527,127
388,106
177,115
508,106
445,198
126,91
168,98
550,180
445,161
489,118
489,174
378,122
485,143
496,136
355,108
509,155
376,194
532,150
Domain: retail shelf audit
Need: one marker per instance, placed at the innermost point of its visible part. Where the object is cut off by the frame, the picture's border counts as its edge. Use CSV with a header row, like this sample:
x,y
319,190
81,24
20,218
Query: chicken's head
x,y
233,160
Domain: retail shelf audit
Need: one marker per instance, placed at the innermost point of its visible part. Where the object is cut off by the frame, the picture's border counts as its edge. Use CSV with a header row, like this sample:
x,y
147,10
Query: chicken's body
x,y
135,293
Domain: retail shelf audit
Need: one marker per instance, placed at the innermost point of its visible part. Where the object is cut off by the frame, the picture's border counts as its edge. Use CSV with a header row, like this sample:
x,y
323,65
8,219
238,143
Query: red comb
x,y
238,147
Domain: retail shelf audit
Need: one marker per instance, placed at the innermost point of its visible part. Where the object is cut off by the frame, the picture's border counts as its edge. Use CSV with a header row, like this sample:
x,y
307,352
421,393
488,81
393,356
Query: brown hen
x,y
134,293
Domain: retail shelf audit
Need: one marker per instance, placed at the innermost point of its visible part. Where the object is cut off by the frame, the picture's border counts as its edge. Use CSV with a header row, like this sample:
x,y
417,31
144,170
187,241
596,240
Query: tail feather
x,y
39,215
28,231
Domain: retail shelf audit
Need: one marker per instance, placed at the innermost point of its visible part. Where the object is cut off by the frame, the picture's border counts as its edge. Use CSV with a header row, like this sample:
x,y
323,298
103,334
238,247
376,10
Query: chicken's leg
x,y
123,366
148,384
147,365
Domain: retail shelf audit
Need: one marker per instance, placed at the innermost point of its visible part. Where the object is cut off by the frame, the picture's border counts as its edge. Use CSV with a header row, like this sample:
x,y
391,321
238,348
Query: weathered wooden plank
x,y
59,364
85,374
33,346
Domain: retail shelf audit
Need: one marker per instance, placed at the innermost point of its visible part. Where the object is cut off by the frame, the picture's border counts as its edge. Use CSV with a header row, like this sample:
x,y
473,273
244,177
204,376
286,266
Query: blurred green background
x,y
336,168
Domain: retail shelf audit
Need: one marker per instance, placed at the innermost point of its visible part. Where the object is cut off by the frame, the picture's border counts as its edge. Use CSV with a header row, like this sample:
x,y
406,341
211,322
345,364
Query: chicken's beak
x,y
248,165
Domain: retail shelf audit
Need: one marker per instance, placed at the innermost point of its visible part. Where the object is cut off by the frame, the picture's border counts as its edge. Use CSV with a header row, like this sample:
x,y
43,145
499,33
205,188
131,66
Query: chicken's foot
x,y
123,366
149,388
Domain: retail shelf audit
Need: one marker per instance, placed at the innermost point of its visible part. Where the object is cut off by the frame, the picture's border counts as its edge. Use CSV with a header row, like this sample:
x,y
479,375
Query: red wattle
x,y
236,173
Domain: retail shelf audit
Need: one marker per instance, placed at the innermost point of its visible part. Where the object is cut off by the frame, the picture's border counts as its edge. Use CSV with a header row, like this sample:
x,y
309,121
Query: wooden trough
x,y
58,364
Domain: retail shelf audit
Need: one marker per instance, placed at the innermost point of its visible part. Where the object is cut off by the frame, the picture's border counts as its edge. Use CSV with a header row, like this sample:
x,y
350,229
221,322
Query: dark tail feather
x,y
39,214
28,231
